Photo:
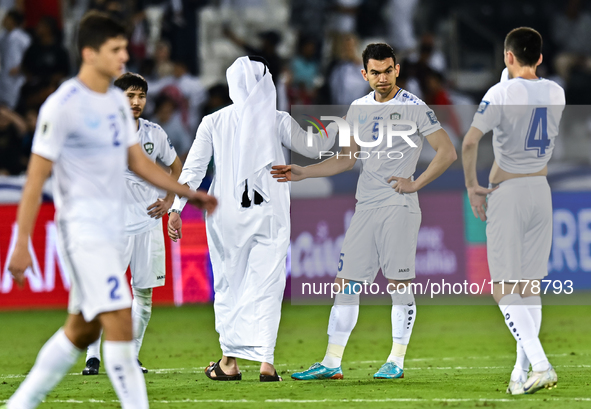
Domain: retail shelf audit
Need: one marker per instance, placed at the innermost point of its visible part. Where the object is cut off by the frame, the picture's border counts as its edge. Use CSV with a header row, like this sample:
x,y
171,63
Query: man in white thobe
x,y
248,236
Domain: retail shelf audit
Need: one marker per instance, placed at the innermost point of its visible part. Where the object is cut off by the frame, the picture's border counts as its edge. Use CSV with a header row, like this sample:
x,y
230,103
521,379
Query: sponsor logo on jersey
x,y
149,147
482,107
395,115
432,117
160,278
169,143
92,121
362,117
377,118
404,270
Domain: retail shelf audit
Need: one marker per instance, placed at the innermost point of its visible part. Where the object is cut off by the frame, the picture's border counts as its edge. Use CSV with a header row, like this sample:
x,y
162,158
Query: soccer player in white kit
x,y
524,114
144,250
86,137
384,229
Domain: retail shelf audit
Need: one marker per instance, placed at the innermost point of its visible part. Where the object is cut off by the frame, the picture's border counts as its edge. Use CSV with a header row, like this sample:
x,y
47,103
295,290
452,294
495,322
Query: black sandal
x,y
219,374
270,378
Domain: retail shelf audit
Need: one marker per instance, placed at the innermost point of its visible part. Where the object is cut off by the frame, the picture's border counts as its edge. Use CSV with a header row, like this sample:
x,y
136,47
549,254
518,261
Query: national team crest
x,y
149,147
395,116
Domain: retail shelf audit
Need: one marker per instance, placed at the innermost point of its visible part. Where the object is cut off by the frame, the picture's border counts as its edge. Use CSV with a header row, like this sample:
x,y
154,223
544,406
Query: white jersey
x,y
524,116
87,134
381,162
141,194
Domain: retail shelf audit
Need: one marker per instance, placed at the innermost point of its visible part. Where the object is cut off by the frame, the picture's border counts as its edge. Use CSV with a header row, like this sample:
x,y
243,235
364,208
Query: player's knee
x,y
83,335
403,296
143,296
346,299
117,325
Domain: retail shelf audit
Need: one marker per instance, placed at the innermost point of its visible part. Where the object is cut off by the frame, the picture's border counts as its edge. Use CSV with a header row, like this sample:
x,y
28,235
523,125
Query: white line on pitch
x,y
517,400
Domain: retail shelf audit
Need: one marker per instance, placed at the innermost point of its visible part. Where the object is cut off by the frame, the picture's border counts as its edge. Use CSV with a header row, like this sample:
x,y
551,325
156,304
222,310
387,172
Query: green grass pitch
x,y
459,356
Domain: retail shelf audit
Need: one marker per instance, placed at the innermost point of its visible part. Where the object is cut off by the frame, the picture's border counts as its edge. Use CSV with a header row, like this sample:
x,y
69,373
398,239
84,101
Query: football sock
x,y
343,317
404,313
522,327
125,374
53,362
94,349
534,306
141,311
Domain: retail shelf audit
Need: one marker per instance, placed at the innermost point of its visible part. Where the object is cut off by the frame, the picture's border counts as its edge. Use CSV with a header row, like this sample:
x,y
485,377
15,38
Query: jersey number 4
x,y
537,134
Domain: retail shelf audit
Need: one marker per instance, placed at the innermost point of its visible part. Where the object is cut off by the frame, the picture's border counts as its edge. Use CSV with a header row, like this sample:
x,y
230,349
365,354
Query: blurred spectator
x,y
218,98
270,41
13,158
164,67
46,59
436,94
309,17
345,80
5,5
400,19
167,116
13,45
154,11
429,55
406,79
305,72
572,34
305,65
190,87
116,8
344,16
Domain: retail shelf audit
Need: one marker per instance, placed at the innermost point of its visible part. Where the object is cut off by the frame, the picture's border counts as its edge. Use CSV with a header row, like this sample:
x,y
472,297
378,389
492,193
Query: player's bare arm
x,y
37,173
332,166
444,157
476,193
157,209
141,165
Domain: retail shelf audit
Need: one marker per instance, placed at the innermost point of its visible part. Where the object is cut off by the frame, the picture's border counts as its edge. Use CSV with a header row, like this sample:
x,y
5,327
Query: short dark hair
x,y
526,44
16,16
377,51
96,28
133,81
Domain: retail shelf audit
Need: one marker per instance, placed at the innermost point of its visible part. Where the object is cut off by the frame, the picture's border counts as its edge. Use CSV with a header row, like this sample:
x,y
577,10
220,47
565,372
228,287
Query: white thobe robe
x,y
248,246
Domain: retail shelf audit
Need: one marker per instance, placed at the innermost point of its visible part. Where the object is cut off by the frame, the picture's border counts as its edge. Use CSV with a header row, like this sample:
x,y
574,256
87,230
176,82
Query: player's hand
x,y
157,209
403,185
477,196
175,226
203,201
19,262
288,173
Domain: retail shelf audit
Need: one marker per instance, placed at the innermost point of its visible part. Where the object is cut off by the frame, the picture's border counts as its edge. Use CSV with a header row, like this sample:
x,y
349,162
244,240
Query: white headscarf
x,y
253,147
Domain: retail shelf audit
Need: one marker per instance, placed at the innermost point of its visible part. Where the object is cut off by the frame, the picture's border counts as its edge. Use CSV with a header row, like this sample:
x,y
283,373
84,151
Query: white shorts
x,y
384,238
519,229
145,254
97,276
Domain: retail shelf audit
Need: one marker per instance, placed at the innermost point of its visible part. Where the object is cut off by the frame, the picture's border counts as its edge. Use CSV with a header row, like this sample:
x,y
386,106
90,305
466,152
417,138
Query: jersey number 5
x,y
537,134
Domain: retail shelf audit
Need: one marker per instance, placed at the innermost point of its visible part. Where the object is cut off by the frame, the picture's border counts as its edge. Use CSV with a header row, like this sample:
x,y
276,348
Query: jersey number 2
x,y
537,134
115,129
115,283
